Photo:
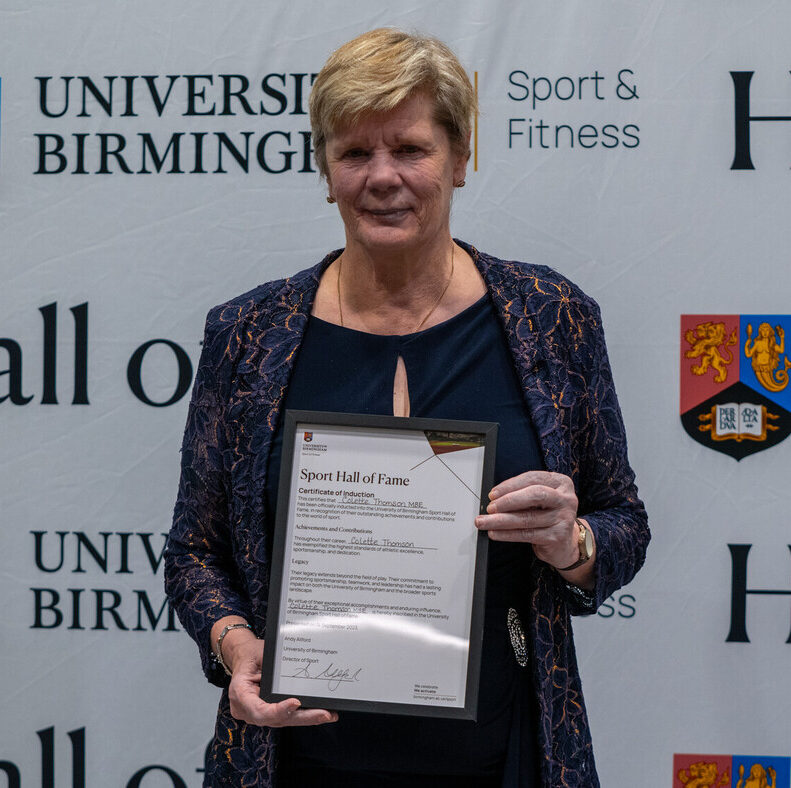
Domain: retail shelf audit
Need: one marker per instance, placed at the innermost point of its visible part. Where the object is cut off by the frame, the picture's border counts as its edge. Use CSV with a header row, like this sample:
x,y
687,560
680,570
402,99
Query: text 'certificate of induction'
x,y
376,597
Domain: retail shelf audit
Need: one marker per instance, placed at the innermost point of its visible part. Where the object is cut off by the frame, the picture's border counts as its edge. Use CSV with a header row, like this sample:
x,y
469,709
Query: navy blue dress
x,y
459,369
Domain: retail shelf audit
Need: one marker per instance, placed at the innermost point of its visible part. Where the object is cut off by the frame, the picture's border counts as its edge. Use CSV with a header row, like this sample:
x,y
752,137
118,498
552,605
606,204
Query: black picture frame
x,y
283,532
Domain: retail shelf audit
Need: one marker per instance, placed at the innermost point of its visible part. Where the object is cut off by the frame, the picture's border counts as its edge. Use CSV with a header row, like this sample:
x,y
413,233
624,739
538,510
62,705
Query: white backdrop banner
x,y
155,160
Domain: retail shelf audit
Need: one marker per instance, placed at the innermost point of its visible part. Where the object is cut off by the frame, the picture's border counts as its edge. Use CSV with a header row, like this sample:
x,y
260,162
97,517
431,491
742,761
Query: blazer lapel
x,y
273,331
511,286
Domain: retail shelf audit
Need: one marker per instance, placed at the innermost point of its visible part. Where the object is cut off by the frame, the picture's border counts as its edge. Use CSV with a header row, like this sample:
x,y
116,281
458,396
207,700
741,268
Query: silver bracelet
x,y
218,652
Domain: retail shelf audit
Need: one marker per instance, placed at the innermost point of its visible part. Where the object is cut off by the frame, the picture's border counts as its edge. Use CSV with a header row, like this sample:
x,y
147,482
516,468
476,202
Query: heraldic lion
x,y
705,342
703,775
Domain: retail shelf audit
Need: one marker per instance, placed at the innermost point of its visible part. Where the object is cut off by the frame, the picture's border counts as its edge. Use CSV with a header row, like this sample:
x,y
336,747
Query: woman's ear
x,y
460,165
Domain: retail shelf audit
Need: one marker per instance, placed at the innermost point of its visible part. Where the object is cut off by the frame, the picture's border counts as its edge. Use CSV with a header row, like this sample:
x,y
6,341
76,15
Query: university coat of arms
x,y
735,392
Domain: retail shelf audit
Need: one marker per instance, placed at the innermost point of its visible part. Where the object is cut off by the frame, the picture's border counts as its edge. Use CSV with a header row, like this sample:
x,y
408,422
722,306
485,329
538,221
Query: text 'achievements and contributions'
x,y
377,588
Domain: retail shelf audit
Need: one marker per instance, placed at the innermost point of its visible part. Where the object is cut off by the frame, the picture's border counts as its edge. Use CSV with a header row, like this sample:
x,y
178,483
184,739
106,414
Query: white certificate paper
x,y
376,596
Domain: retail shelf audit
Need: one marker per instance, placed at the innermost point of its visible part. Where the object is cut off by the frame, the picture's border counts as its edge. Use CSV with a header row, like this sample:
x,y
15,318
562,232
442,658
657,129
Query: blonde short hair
x,y
379,70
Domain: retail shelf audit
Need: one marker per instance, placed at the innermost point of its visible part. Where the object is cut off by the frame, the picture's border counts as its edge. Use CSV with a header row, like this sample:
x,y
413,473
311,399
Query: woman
x,y
405,320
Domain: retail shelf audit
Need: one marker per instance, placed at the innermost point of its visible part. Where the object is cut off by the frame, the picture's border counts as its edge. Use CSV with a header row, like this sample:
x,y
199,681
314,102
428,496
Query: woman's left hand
x,y
538,507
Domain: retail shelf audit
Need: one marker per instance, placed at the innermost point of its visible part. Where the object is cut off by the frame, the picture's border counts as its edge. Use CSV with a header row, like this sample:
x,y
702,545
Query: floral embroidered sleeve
x,y
201,578
606,483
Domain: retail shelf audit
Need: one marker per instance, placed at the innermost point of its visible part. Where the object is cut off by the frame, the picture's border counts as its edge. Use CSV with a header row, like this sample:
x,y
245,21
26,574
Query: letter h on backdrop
x,y
739,592
742,120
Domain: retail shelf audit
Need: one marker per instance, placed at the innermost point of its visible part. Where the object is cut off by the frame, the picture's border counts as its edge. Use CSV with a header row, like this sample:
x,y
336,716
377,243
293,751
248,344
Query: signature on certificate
x,y
332,674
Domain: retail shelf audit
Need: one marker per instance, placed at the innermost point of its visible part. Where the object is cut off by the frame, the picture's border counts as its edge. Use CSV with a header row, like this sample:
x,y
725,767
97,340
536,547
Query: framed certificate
x,y
376,596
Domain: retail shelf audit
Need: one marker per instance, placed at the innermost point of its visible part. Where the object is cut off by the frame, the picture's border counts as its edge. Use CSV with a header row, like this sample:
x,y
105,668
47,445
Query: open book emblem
x,y
735,396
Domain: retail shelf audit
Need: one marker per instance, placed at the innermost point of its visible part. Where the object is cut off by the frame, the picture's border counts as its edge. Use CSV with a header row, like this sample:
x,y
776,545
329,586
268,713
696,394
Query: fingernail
x,y
491,508
494,494
479,522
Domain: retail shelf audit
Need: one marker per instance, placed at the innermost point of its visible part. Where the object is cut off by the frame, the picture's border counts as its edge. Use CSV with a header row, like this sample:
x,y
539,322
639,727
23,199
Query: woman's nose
x,y
382,171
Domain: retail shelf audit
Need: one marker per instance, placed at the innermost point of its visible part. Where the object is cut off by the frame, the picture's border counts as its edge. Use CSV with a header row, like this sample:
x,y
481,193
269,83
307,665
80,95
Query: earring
x,y
460,184
330,199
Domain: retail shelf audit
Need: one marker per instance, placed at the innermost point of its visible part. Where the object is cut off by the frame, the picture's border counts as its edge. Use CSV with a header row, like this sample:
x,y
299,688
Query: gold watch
x,y
584,545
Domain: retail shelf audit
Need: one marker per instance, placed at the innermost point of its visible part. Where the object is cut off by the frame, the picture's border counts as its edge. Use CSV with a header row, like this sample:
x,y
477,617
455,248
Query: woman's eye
x,y
409,150
354,153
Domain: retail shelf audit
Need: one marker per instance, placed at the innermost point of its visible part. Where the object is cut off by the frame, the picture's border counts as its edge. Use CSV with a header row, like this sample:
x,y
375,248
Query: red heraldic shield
x,y
735,393
702,771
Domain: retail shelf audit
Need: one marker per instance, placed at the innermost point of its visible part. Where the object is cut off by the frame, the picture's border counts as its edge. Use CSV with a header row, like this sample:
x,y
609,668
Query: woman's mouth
x,y
388,214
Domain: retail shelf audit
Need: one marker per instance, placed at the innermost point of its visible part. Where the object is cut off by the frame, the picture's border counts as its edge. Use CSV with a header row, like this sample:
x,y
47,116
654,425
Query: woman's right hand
x,y
243,653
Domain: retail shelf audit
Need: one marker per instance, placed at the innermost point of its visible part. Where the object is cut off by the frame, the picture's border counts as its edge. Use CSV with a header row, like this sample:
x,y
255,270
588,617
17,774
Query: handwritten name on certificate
x,y
378,569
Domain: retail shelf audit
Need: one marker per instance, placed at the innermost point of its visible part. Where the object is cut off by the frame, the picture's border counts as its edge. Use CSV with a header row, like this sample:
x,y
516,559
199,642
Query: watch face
x,y
587,545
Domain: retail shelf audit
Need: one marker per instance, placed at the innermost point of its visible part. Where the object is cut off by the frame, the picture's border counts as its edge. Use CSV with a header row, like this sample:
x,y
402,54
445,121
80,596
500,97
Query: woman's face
x,y
392,175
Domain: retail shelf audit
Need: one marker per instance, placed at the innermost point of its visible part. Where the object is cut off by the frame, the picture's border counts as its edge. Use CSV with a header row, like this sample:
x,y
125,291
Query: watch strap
x,y
585,555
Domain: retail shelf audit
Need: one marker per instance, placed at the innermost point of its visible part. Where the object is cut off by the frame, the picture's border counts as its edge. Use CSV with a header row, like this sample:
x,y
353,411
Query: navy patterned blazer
x,y
218,559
